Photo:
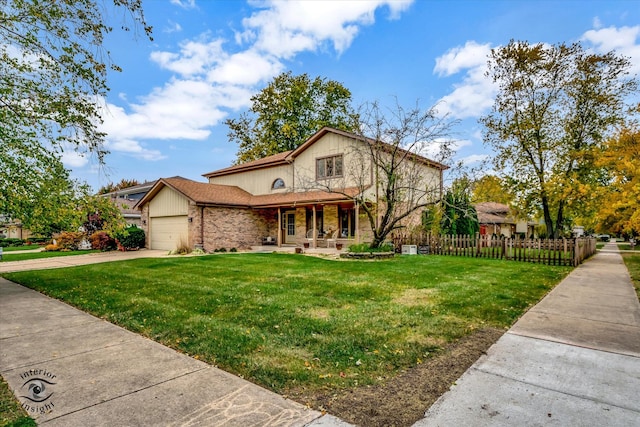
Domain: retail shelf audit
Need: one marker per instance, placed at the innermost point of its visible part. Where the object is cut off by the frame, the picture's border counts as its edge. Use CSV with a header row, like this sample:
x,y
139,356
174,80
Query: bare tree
x,y
387,172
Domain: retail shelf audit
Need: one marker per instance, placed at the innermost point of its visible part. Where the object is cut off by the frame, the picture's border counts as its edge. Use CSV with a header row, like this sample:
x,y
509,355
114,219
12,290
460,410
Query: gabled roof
x,y
201,193
492,207
205,194
493,213
269,161
289,156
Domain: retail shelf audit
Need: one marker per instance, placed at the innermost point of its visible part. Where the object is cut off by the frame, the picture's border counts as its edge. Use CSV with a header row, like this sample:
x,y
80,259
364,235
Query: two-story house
x,y
309,194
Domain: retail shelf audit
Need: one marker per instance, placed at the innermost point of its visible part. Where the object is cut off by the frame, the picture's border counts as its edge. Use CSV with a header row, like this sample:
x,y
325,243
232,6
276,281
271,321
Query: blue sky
x,y
165,113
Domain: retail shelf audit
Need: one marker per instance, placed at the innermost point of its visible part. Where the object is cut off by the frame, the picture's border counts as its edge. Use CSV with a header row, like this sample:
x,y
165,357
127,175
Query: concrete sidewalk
x,y
572,360
70,261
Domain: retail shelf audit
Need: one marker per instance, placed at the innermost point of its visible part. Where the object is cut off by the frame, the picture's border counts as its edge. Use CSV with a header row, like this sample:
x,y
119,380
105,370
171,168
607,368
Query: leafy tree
x,y
287,112
554,108
50,206
458,214
53,71
620,207
124,183
491,188
390,152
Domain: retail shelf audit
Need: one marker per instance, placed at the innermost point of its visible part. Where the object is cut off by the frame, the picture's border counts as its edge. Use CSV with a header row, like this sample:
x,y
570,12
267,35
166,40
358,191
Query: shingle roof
x,y
493,213
206,194
288,156
492,207
280,158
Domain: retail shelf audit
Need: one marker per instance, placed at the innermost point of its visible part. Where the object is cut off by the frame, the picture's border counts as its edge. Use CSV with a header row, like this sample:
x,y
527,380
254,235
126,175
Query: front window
x,y
329,167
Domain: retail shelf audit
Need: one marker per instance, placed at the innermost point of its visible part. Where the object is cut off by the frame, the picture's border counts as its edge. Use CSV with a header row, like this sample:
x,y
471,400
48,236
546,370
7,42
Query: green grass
x,y
627,247
632,261
20,248
11,413
285,321
38,255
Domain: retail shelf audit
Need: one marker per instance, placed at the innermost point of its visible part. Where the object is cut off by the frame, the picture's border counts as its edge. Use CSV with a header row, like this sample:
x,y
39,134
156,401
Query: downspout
x,y
279,237
202,226
315,233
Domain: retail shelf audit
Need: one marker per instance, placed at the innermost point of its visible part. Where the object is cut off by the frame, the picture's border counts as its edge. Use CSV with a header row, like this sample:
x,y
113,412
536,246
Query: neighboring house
x,y
12,229
126,199
495,218
303,195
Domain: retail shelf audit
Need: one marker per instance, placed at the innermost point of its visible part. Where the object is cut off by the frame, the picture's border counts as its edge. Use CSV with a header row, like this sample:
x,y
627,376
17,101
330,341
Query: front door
x,y
289,226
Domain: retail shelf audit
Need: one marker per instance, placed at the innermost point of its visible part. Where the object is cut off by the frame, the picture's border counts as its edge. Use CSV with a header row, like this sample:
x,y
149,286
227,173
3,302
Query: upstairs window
x,y
277,184
329,167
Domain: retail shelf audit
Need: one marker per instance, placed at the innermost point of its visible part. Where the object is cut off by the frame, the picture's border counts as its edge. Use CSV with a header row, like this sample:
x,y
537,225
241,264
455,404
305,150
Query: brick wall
x,y
233,227
144,217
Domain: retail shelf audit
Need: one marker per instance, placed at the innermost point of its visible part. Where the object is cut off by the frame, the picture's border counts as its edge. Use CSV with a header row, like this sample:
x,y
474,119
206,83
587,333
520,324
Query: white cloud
x,y
211,78
73,159
471,55
195,56
246,68
624,40
172,27
474,159
285,28
475,94
185,4
133,148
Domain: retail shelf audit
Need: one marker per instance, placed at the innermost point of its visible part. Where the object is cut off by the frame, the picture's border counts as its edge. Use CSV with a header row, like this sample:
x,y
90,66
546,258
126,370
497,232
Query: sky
x,y
165,113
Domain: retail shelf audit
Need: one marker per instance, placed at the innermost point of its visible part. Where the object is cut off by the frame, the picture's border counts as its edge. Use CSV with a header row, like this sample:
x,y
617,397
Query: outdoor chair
x,y
332,239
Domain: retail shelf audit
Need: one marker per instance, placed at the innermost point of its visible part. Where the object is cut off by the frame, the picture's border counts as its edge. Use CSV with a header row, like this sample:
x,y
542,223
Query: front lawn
x,y
290,321
38,255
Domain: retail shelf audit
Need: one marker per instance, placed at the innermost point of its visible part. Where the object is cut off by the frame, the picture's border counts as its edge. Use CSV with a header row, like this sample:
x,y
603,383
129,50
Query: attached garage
x,y
168,220
169,232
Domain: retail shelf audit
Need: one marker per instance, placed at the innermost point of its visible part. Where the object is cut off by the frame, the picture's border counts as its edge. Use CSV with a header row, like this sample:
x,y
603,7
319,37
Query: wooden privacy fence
x,y
545,251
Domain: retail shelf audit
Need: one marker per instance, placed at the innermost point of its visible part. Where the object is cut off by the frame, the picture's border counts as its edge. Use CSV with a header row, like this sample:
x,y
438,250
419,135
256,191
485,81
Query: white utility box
x,y
409,249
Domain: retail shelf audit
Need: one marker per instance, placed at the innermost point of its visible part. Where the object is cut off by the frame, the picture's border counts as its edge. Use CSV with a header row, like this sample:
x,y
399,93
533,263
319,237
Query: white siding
x,y
168,203
333,145
258,182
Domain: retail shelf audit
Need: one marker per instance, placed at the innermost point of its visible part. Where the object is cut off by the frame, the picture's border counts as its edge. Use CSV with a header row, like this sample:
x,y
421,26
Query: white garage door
x,y
168,232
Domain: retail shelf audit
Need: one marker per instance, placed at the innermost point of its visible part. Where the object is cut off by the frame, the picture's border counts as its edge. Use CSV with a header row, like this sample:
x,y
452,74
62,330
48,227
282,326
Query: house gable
x,y
168,202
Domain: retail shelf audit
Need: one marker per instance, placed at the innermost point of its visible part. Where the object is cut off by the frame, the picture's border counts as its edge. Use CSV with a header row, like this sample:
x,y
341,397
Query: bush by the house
x,y
69,240
11,242
100,240
51,248
131,238
364,247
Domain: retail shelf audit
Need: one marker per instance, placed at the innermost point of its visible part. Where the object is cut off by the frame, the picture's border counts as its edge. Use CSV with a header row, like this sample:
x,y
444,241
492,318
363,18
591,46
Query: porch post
x,y
315,233
357,219
279,235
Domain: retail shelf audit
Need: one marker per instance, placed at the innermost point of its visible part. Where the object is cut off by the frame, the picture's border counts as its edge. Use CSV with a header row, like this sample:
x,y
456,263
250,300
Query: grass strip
x,y
38,255
632,261
20,248
289,321
11,412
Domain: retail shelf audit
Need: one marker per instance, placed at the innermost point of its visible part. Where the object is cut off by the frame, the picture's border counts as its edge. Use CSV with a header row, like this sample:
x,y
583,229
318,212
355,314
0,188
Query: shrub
x,y
8,242
131,238
364,247
233,250
51,248
102,241
69,240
